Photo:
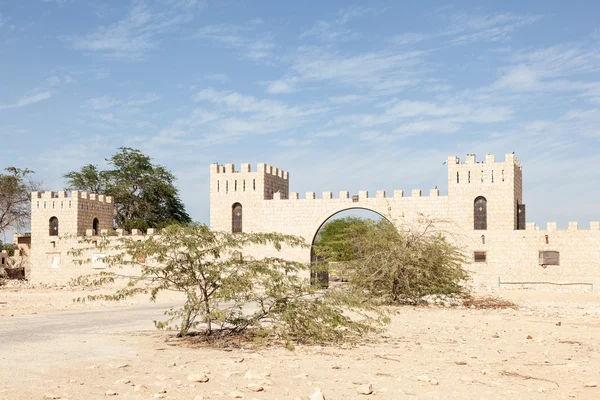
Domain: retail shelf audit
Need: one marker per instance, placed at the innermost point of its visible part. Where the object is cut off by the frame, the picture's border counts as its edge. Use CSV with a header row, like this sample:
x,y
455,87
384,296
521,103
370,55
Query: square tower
x,y
486,195
56,214
230,188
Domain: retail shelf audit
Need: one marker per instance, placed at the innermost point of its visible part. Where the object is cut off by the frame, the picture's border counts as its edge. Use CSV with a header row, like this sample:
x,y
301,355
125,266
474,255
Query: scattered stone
x,y
318,395
138,388
558,323
529,337
51,396
159,396
255,388
198,378
541,390
434,382
123,365
236,395
365,389
122,381
111,393
301,376
423,378
591,384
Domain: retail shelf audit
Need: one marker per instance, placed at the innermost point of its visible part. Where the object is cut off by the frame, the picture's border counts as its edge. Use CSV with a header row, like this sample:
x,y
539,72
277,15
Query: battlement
x,y
573,226
362,194
246,168
75,194
489,159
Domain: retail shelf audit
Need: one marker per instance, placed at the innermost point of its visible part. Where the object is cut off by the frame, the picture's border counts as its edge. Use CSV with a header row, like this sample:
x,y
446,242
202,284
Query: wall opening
x,y
328,252
236,218
480,213
96,226
480,256
53,226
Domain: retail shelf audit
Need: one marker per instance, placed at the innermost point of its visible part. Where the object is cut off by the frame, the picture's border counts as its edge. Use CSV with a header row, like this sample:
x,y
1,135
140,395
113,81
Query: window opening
x,y
236,218
53,226
549,258
480,256
95,226
480,213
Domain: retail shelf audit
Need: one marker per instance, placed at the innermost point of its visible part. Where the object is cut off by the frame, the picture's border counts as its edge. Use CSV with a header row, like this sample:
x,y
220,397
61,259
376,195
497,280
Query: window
x,y
480,256
480,213
482,239
53,226
521,221
236,218
96,226
549,257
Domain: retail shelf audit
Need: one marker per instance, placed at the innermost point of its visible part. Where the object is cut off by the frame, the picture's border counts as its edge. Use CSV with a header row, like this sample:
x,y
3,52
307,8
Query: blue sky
x,y
341,95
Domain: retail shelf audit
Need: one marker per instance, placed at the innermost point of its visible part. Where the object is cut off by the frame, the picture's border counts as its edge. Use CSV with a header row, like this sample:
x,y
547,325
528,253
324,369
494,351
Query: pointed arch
x,y
480,213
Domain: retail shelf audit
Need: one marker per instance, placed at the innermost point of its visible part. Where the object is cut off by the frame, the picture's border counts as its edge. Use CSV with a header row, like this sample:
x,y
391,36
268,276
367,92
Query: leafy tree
x,y
144,193
231,293
15,198
333,242
8,247
404,265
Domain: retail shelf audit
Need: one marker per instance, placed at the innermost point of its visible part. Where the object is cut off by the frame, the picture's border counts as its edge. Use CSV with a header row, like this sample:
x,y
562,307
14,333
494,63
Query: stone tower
x,y
243,189
491,189
57,214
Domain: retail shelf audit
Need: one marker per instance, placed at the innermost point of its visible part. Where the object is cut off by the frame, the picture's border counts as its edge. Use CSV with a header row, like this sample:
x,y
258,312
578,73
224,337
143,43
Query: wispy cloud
x,y
27,100
336,29
138,33
103,103
245,38
468,27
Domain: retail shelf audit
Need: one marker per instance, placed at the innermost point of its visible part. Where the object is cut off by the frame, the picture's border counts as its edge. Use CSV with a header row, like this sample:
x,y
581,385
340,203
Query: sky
x,y
342,95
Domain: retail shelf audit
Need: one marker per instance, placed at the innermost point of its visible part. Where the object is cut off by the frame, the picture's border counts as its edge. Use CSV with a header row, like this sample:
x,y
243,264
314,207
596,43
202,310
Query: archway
x,y
320,268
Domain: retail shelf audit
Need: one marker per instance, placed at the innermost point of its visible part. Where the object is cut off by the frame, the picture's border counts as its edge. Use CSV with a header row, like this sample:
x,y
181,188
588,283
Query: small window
x,y
236,218
480,256
480,213
53,226
218,186
482,239
549,257
96,226
547,239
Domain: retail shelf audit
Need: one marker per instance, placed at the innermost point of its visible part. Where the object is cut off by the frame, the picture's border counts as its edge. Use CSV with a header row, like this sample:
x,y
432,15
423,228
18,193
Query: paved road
x,y
33,344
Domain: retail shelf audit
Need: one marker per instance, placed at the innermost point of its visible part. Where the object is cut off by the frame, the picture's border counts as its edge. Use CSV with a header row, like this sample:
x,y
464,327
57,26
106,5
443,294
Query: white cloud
x,y
136,34
103,103
336,29
27,100
252,45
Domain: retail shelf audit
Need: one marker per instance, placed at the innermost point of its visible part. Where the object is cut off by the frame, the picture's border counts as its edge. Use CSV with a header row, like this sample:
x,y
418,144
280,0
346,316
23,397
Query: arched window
x,y
95,226
53,226
236,218
480,213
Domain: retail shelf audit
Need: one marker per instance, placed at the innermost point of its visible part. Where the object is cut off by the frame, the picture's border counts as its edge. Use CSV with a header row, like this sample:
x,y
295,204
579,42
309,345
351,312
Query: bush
x,y
393,265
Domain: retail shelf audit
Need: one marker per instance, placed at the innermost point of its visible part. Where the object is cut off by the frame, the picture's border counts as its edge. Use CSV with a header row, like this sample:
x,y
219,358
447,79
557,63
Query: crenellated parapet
x,y
573,226
362,195
73,195
246,168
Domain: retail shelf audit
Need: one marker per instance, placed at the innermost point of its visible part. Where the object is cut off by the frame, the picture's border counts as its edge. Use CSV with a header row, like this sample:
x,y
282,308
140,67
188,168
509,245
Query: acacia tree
x,y
403,265
229,292
144,193
333,243
15,198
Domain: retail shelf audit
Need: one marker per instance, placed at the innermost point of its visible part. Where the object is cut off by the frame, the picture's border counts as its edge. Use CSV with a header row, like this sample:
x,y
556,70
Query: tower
x,y
239,190
57,214
486,195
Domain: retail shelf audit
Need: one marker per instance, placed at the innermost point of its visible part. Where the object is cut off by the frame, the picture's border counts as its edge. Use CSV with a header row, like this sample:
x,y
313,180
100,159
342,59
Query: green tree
x,y
231,293
15,198
404,265
144,193
333,242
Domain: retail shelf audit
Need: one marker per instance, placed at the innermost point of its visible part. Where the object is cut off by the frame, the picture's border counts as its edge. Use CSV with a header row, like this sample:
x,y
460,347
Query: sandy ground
x,y
547,349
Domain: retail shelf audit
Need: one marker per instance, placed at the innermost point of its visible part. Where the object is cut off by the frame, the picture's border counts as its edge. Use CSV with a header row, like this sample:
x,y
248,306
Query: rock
x,y
365,389
318,395
301,376
51,396
236,395
160,396
591,384
529,337
434,382
198,378
138,388
122,381
255,388
111,393
423,378
541,390
123,365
